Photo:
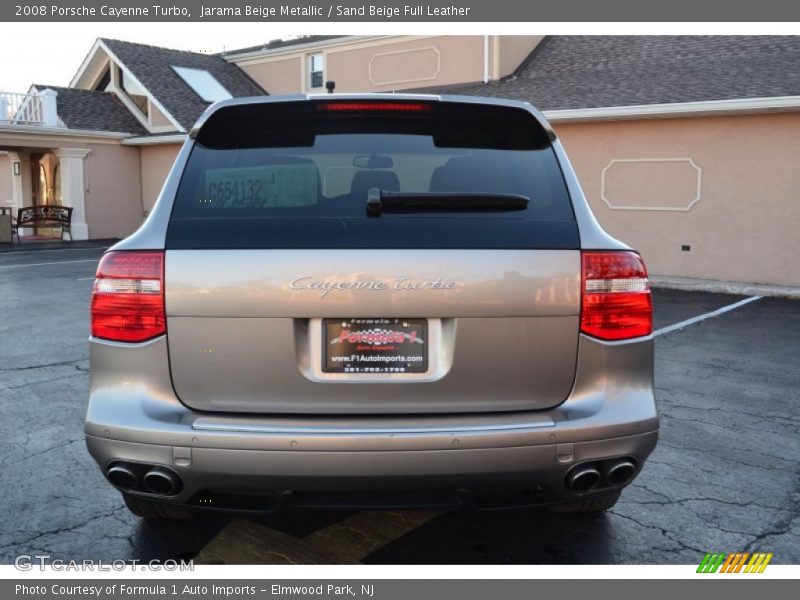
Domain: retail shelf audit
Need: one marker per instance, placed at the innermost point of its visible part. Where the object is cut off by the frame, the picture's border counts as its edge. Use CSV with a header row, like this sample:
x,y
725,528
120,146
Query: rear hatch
x,y
372,256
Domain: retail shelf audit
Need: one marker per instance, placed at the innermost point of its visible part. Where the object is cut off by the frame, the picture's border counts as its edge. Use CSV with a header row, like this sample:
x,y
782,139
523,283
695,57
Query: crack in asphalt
x,y
664,532
723,427
75,364
19,544
685,502
32,383
723,457
693,484
783,526
49,365
763,418
45,451
720,407
698,499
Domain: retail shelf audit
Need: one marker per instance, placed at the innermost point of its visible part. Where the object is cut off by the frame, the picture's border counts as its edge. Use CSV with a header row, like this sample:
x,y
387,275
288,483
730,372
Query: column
x,y
16,180
49,109
73,188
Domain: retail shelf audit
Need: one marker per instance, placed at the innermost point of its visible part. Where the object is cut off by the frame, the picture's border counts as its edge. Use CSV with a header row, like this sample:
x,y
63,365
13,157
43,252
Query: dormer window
x,y
133,90
203,83
104,83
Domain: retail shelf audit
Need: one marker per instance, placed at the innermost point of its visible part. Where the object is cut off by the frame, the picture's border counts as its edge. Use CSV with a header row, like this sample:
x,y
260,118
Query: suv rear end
x,y
370,300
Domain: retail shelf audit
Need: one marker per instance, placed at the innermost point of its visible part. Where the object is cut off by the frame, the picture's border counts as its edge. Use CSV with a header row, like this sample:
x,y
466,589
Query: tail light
x,y
615,303
128,297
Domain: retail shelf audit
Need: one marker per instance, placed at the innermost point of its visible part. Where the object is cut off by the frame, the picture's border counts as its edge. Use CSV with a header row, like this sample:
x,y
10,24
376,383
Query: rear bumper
x,y
610,414
209,471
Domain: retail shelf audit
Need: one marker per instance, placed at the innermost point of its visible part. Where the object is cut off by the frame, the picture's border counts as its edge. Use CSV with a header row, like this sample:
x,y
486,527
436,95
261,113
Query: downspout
x,y
485,59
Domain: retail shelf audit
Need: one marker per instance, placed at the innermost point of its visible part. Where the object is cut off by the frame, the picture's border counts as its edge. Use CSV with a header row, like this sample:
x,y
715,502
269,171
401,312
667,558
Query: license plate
x,y
375,345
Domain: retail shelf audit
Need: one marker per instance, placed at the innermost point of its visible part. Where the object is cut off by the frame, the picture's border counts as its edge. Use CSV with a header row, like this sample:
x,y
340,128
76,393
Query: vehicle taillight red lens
x,y
616,302
128,297
373,107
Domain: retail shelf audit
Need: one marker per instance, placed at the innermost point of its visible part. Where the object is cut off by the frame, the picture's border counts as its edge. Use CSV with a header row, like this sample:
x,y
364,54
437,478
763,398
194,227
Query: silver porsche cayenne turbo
x,y
374,301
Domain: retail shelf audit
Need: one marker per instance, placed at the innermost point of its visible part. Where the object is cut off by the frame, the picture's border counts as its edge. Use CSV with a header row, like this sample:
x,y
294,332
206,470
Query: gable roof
x,y
93,111
570,72
152,66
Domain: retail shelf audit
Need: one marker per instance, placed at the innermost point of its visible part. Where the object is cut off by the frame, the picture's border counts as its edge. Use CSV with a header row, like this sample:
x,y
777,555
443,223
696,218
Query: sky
x,y
50,53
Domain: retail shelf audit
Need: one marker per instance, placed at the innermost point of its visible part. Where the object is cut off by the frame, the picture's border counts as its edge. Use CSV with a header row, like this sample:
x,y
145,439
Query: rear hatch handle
x,y
380,201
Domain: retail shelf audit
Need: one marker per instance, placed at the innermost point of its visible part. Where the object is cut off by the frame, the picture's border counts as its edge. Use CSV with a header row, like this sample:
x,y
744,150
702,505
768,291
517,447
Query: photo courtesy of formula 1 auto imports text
x,y
344,300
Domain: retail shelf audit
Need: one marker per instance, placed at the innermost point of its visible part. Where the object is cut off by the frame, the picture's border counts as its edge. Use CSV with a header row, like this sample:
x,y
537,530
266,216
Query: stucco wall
x,y
435,60
277,76
394,64
158,119
745,221
113,191
156,161
5,181
513,50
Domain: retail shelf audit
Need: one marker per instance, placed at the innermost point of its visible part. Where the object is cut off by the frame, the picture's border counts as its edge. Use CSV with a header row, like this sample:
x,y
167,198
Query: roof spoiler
x,y
527,106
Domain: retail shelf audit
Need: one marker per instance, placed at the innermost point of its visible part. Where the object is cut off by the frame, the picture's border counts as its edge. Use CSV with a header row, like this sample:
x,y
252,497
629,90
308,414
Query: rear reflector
x,y
373,107
128,297
616,302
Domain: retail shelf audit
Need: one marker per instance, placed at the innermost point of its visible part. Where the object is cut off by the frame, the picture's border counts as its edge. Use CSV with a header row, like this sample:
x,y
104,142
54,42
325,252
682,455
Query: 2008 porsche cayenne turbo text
x,y
370,301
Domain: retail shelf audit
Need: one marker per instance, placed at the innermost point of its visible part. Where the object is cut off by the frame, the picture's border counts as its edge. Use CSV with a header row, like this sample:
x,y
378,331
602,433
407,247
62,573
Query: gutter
x,y
154,140
63,131
485,59
676,109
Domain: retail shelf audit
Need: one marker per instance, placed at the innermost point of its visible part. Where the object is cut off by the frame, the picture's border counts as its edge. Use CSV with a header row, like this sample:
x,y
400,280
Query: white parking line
x,y
57,250
85,278
58,262
703,317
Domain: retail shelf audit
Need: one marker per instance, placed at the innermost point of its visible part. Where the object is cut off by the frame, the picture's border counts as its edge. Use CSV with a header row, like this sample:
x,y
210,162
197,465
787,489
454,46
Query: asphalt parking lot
x,y
724,476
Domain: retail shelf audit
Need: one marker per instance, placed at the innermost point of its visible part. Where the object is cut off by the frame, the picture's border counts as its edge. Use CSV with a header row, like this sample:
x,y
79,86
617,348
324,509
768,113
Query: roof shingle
x,y
566,72
93,111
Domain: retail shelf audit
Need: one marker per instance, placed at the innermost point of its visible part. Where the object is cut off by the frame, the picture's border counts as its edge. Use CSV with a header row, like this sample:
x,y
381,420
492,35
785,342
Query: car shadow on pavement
x,y
519,536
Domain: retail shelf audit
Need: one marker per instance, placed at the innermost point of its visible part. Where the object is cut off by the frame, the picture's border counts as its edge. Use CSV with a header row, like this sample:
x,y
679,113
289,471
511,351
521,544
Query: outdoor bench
x,y
43,216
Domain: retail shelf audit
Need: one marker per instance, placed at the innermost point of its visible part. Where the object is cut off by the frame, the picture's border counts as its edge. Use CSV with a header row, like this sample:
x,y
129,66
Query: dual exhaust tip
x,y
144,478
616,472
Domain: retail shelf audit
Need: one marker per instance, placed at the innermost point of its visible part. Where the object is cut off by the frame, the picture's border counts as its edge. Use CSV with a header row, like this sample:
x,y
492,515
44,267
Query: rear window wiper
x,y
379,201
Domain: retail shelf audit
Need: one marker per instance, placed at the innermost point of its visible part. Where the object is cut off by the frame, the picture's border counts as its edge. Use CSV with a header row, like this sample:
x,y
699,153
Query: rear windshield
x,y
297,175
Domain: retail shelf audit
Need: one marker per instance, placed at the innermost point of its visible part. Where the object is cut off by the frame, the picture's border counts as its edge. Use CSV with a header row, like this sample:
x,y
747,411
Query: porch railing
x,y
36,108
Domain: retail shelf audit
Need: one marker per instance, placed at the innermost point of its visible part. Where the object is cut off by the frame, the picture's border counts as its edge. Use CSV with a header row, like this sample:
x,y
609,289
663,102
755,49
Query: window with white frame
x,y
203,83
316,70
133,90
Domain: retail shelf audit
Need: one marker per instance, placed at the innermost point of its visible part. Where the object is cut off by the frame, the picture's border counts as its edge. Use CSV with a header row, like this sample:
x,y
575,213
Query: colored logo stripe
x,y
710,562
759,562
734,562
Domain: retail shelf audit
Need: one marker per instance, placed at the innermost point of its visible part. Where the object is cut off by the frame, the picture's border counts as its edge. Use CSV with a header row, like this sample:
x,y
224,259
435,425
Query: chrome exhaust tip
x,y
160,481
122,477
583,479
621,473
